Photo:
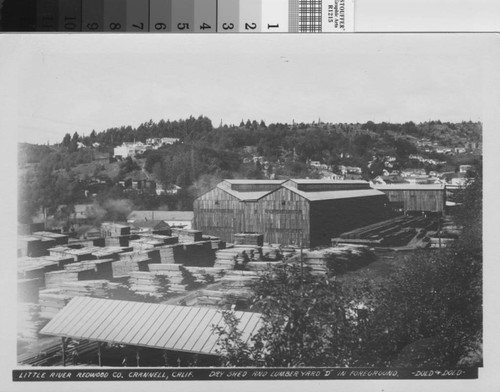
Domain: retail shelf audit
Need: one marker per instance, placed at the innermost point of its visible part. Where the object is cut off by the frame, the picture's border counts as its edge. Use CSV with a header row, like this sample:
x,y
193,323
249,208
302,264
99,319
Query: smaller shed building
x,y
411,198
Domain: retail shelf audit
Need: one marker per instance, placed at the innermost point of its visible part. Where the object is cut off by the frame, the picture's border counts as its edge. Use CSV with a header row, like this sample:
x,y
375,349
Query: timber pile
x,y
27,289
28,320
87,288
36,268
205,275
57,278
111,229
51,302
236,289
237,257
146,243
122,240
111,252
131,261
166,254
215,241
78,254
393,232
32,246
288,251
271,253
185,235
259,265
148,283
337,260
194,254
102,268
58,238
252,239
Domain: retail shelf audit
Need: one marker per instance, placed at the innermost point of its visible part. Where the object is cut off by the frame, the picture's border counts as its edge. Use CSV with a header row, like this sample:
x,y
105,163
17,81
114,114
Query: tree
x,y
307,321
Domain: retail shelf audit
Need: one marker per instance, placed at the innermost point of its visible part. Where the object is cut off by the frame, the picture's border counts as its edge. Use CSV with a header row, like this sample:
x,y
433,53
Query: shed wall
x,y
332,217
417,200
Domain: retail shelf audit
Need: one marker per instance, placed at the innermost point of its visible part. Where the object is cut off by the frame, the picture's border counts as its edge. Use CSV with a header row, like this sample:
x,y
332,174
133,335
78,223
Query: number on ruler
x,y
160,26
92,26
141,27
69,23
228,26
115,26
183,26
205,26
250,26
275,26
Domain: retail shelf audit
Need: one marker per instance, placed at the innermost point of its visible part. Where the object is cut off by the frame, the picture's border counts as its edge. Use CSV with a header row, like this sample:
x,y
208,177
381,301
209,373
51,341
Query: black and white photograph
x,y
266,207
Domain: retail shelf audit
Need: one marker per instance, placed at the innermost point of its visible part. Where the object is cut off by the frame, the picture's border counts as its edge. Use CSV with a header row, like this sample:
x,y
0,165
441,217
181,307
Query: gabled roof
x,y
168,327
248,195
335,195
139,215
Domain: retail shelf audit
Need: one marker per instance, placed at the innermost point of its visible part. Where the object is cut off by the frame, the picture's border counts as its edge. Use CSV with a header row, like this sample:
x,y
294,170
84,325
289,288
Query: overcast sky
x,y
66,84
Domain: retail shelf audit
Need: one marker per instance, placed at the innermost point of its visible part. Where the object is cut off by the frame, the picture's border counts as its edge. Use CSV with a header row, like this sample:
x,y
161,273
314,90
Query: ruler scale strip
x,y
181,16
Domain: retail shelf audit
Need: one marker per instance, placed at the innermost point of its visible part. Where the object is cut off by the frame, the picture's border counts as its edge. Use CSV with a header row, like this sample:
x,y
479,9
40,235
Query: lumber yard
x,y
157,296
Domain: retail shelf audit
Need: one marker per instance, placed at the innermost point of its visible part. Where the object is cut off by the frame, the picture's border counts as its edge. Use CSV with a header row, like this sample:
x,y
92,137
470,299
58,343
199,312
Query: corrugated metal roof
x,y
334,195
413,187
178,328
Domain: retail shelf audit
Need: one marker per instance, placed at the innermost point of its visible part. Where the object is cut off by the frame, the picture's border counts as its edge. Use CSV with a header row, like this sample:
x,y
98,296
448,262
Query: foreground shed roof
x,y
169,327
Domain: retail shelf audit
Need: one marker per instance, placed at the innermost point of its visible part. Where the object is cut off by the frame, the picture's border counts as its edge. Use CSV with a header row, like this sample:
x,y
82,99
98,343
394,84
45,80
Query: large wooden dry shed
x,y
289,212
415,197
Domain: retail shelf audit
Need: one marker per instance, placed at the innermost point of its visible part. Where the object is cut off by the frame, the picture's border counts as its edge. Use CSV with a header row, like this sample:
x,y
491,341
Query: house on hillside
x,y
83,212
290,212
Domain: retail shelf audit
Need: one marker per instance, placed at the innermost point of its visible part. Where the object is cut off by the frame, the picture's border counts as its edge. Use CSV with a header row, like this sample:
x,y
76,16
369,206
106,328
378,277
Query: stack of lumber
x,y
27,289
259,265
111,229
110,252
252,239
146,243
187,235
194,254
148,283
57,278
436,242
205,275
337,260
215,241
28,320
393,232
31,246
102,268
129,262
35,268
236,289
288,251
166,254
271,253
78,254
236,257
58,238
86,243
87,288
123,240
175,273
51,302
135,255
